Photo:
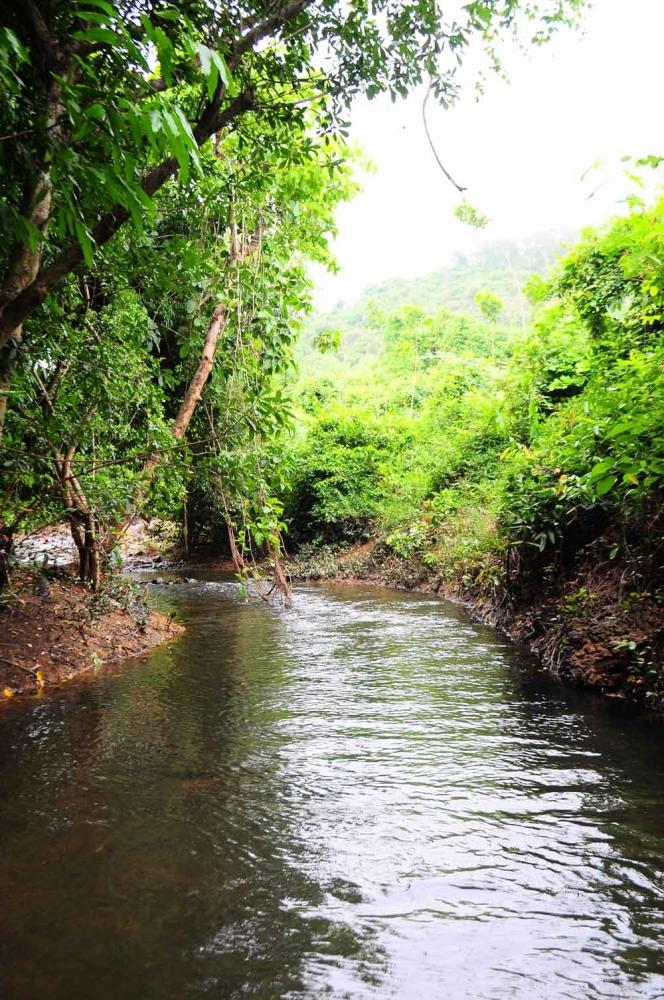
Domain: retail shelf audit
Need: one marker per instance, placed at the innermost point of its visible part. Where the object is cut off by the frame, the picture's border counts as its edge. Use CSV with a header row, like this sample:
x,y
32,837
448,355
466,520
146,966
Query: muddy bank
x,y
52,629
592,629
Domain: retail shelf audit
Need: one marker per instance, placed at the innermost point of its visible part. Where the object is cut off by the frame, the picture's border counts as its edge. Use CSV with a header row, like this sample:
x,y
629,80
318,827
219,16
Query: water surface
x,y
365,796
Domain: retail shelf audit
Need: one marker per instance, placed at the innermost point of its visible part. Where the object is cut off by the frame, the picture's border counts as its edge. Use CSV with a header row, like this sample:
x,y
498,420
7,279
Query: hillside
x,y
502,267
521,469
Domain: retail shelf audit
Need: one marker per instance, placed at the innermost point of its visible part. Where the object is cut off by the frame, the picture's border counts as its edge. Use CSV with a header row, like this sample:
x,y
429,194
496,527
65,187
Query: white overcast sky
x,y
521,150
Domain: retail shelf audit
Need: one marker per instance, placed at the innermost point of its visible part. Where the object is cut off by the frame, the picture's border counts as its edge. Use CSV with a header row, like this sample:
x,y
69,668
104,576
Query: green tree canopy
x,y
104,102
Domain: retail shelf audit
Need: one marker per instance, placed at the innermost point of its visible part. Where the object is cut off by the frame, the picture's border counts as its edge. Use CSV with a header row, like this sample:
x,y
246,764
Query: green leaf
x,y
205,57
19,51
188,136
94,16
104,35
96,112
604,485
598,470
106,7
222,66
177,146
85,242
209,68
131,197
165,54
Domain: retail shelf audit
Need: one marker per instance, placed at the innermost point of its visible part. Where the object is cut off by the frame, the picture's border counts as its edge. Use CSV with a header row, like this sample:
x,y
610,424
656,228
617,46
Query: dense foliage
x,y
167,171
498,269
497,454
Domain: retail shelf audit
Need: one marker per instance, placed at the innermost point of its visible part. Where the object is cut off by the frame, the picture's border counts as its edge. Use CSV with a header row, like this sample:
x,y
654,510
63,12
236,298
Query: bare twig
x,y
440,163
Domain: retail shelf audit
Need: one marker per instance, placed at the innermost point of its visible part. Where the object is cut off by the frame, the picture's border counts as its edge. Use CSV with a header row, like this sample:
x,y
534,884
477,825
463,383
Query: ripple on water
x,y
365,795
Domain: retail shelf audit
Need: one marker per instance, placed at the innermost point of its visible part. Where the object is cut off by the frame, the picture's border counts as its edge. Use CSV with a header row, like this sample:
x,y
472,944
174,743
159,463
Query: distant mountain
x,y
502,267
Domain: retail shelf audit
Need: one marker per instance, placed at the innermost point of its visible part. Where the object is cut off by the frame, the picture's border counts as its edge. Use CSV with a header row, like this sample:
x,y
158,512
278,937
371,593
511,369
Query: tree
x,y
102,104
205,300
491,306
105,102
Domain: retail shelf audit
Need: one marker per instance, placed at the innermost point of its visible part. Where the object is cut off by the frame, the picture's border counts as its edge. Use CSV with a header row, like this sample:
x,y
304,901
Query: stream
x,y
366,795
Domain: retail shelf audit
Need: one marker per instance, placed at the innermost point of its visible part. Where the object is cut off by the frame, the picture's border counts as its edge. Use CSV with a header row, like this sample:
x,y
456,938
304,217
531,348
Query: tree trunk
x,y
5,386
82,521
195,389
91,565
25,260
23,268
183,418
6,545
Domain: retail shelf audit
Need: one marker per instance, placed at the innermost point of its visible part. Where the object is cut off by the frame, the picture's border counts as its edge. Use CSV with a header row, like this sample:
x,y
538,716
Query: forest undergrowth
x,y
169,177
518,469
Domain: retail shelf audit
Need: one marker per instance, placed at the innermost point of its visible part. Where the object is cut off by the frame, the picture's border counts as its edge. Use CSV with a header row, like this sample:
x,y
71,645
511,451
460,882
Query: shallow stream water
x,y
365,796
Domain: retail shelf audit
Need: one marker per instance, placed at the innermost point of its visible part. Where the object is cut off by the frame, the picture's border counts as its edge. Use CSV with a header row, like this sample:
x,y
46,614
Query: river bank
x,y
589,630
54,629
367,795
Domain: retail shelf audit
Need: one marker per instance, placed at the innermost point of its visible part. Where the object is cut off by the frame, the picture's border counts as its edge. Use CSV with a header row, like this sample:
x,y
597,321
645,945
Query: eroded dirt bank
x,y
52,629
590,629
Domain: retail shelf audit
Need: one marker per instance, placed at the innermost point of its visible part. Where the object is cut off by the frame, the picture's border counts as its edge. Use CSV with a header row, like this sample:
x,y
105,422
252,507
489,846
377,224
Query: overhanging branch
x,y
212,120
16,312
440,163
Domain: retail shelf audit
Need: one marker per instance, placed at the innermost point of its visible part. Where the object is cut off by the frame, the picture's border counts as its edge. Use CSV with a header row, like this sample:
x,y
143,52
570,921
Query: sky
x,y
526,151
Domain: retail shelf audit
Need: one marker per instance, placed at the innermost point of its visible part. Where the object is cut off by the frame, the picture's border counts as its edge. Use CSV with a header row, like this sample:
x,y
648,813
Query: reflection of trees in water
x,y
158,842
47,750
171,868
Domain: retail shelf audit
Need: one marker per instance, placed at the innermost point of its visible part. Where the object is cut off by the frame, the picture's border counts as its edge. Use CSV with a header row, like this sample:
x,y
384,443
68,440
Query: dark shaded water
x,y
364,796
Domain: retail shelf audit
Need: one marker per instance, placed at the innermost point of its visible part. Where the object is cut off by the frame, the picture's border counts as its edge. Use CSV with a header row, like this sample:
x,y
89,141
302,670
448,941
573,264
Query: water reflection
x,y
363,796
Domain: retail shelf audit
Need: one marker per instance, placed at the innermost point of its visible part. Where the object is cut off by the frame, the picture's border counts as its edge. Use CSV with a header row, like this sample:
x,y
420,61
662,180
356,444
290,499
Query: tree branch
x,y
16,312
264,28
459,187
